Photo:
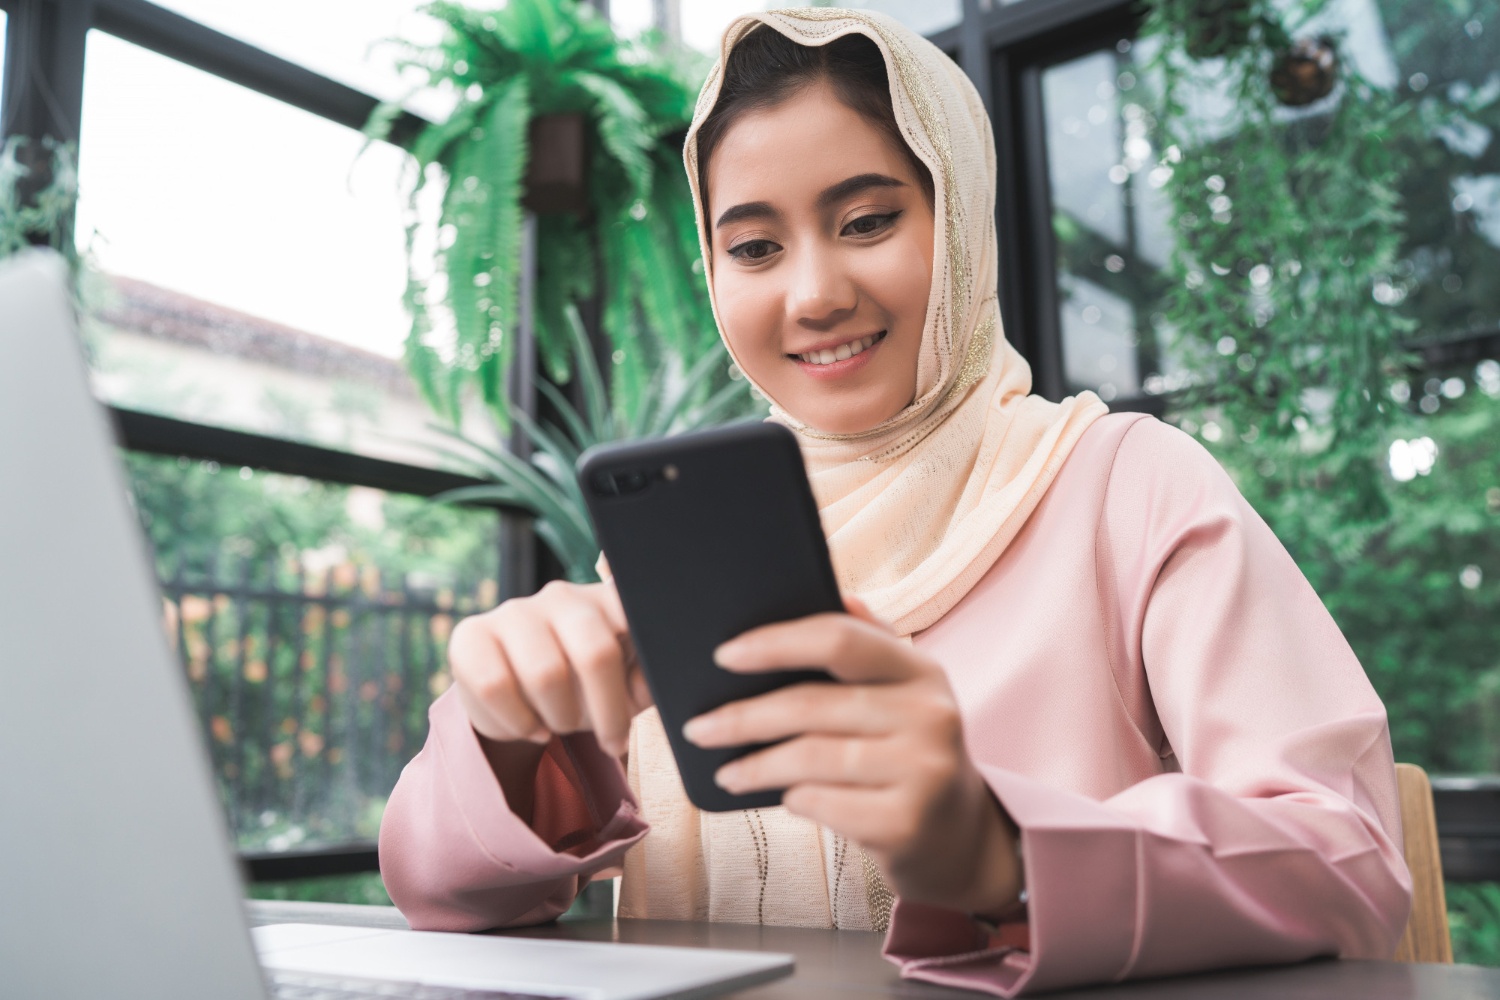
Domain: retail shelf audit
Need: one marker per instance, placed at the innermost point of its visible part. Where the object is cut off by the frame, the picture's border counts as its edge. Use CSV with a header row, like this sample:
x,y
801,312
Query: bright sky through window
x,y
209,189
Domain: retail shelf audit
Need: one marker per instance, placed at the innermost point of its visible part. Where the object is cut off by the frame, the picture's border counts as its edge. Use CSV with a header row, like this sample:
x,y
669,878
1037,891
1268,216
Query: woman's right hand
x,y
559,661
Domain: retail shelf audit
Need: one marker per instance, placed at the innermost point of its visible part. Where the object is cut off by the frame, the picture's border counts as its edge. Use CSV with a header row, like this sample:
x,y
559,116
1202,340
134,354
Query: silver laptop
x,y
116,875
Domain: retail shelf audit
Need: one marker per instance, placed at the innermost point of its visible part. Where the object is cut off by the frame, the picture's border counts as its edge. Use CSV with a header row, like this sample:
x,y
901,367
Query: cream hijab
x,y
915,509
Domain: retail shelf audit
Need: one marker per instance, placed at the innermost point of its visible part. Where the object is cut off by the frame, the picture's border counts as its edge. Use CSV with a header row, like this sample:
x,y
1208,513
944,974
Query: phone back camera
x,y
621,483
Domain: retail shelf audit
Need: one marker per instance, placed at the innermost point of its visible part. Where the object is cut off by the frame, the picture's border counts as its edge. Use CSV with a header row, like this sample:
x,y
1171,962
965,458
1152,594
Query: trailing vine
x,y
1288,223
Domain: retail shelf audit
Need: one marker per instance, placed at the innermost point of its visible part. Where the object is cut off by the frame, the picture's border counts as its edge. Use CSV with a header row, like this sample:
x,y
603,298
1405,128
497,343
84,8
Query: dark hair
x,y
767,68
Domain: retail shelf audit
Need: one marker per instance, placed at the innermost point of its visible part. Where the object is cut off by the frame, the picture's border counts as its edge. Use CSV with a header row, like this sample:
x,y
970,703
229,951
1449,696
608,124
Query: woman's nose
x,y
822,292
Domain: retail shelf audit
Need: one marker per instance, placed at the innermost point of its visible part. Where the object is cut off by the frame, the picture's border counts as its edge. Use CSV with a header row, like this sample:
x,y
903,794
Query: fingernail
x,y
728,777
542,736
695,730
733,653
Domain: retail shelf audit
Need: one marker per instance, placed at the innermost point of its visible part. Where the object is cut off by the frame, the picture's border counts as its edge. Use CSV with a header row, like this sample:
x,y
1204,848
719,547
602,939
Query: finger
x,y
841,709
598,664
607,599
640,691
848,648
871,816
821,760
538,662
857,607
487,687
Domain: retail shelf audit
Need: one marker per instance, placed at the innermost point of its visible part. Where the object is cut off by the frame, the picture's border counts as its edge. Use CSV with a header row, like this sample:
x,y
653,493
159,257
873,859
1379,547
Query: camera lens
x,y
603,484
634,482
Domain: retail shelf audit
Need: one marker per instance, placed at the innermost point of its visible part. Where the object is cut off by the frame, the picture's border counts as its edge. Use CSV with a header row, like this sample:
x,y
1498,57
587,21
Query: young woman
x,y
1094,724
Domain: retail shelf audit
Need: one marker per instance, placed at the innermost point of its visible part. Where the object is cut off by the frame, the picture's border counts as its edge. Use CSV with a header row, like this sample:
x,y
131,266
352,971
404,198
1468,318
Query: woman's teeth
x,y
843,352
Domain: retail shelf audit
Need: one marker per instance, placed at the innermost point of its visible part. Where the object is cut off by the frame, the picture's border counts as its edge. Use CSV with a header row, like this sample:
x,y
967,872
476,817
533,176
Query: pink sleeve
x,y
454,856
1278,841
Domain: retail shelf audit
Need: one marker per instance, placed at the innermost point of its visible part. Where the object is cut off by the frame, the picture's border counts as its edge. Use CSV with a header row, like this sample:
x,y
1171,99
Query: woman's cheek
x,y
904,271
747,310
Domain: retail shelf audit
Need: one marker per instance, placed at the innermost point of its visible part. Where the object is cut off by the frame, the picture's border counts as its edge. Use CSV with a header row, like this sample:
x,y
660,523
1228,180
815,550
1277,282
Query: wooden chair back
x,y
1426,938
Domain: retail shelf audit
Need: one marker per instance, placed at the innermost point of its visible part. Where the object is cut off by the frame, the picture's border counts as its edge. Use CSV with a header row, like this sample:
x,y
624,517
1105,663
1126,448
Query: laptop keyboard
x,y
307,986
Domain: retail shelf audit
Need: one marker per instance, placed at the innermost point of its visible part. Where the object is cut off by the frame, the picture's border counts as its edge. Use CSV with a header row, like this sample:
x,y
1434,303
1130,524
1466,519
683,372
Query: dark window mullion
x,y
1039,292
187,41
1035,23
43,90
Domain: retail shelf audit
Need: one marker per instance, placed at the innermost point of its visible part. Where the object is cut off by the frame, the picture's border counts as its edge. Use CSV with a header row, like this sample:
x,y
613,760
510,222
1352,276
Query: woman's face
x,y
822,240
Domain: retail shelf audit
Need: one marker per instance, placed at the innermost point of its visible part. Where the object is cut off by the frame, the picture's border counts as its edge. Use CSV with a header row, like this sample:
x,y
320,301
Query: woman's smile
x,y
839,359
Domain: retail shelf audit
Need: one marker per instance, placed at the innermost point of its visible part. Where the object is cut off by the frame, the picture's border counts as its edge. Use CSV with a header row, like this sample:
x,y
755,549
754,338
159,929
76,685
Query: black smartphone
x,y
709,534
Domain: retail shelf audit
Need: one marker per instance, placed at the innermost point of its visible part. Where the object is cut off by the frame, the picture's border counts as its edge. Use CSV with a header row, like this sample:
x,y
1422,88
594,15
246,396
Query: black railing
x,y
313,687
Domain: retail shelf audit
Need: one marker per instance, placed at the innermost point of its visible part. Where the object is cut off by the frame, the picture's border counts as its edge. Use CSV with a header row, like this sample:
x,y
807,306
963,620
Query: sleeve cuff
x,y
612,811
1083,894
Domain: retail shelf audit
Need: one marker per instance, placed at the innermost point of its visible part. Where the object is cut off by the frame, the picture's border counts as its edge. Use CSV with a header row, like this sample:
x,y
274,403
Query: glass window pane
x,y
254,260
311,620
1110,226
346,40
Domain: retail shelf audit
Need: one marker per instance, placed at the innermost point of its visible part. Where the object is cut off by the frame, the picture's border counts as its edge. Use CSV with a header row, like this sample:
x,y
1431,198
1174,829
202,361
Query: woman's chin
x,y
830,417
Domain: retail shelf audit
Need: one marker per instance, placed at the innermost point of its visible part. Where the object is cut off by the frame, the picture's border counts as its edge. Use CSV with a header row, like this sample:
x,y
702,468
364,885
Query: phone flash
x,y
670,473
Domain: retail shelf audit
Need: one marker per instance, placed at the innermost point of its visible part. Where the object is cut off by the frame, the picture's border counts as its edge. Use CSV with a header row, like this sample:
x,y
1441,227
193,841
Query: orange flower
x,y
345,575
221,729
310,742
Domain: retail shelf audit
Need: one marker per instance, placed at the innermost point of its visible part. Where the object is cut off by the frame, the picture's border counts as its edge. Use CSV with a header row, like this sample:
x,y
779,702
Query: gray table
x,y
847,964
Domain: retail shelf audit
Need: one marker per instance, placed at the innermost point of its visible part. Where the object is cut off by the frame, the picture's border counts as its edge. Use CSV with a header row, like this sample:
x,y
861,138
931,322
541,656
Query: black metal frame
x,y
1004,49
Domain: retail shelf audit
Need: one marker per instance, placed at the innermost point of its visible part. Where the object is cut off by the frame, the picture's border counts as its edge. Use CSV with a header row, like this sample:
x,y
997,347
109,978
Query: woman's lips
x,y
838,369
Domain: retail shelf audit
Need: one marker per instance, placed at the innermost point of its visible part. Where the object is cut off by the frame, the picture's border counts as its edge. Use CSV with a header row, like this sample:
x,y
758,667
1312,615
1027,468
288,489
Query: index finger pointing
x,y
848,648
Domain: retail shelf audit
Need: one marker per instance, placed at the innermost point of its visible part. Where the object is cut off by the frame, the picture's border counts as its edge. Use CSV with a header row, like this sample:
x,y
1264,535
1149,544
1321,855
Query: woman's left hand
x,y
879,759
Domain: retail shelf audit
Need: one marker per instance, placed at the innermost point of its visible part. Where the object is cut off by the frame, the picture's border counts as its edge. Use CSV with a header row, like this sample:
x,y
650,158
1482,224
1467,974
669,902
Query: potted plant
x,y
555,115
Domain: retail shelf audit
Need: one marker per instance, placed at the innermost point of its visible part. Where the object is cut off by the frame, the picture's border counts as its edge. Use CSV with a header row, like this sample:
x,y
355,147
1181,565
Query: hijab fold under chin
x,y
918,508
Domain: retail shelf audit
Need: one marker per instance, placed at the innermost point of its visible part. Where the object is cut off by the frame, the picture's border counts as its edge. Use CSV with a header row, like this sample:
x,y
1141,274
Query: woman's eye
x,y
753,250
867,225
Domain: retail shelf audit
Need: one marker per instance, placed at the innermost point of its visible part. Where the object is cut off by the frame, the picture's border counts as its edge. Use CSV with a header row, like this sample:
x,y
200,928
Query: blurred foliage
x,y
364,889
545,483
44,216
197,513
636,249
1288,223
1474,922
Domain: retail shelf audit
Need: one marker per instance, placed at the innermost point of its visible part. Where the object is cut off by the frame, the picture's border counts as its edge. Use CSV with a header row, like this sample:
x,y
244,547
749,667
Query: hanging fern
x,y
636,249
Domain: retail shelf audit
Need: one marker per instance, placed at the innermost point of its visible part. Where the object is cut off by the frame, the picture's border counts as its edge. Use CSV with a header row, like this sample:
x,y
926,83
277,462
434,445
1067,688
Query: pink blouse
x,y
1199,767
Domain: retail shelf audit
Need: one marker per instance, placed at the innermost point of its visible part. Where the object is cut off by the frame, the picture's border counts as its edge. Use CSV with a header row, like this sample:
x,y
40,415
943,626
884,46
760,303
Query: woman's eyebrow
x,y
749,210
854,185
